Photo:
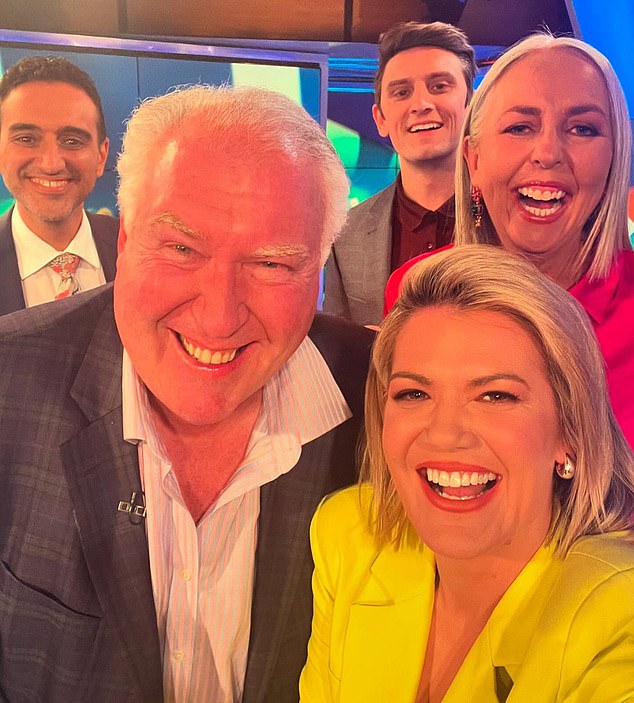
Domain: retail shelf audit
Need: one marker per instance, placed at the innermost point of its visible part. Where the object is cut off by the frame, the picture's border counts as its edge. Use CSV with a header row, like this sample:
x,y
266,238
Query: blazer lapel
x,y
11,296
374,257
384,650
101,470
104,233
282,601
380,228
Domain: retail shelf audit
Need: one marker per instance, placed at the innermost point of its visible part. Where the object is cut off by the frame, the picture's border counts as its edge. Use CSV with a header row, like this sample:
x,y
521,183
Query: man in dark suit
x,y
422,87
159,475
53,147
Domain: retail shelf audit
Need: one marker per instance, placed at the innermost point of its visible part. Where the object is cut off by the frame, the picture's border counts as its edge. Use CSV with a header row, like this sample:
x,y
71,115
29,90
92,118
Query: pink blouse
x,y
610,304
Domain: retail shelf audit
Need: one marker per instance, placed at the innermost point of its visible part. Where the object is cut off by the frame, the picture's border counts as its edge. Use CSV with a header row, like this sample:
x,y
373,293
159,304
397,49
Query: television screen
x,y
126,71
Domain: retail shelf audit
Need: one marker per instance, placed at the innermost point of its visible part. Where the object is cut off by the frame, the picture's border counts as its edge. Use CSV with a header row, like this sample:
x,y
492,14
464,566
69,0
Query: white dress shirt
x,y
39,282
202,574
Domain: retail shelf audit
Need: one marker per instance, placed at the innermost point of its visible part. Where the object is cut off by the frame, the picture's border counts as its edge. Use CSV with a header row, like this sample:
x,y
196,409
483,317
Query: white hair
x,y
269,122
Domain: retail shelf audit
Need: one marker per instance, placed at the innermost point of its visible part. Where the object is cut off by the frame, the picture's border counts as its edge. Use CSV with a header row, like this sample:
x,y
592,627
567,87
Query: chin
x,y
204,416
458,546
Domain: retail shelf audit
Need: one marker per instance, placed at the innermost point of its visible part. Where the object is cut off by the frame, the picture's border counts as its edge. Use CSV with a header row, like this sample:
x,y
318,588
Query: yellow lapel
x,y
387,630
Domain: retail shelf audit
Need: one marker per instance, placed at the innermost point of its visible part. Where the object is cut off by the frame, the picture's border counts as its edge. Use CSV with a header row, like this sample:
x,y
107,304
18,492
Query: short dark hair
x,y
52,69
409,35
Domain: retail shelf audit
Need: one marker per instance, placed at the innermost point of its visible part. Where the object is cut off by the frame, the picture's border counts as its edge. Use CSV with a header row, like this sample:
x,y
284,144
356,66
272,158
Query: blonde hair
x,y
600,497
607,229
268,122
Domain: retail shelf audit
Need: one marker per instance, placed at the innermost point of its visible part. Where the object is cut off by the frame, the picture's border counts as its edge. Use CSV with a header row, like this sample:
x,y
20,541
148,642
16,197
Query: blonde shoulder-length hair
x,y
606,232
600,497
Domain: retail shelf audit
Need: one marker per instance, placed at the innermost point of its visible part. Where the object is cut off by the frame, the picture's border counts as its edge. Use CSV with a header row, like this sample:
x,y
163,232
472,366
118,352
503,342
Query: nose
x,y
51,157
421,100
447,426
221,306
548,149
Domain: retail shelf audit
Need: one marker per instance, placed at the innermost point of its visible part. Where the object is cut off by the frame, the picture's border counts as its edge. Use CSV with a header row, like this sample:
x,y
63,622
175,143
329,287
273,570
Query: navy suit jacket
x,y
77,618
105,230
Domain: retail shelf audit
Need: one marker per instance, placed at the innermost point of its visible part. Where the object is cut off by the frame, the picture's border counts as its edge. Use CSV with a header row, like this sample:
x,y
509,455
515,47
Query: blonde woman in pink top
x,y
545,174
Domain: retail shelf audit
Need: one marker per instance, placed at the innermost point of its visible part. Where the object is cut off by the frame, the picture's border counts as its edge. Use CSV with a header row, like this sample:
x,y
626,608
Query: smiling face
x,y
542,154
471,433
423,103
217,283
50,155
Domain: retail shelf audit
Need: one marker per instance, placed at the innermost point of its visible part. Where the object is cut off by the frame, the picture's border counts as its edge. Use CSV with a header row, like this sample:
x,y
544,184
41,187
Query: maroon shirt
x,y
416,230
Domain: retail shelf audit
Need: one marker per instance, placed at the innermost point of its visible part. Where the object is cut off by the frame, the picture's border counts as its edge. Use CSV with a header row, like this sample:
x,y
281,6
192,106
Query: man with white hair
x,y
174,439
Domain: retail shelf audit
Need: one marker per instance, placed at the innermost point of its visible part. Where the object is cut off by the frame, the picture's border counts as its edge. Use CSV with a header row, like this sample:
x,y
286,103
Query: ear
x,y
103,155
123,237
471,156
379,120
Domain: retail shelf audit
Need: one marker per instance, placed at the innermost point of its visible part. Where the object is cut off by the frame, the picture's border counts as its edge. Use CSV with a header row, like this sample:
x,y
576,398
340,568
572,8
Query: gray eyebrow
x,y
170,219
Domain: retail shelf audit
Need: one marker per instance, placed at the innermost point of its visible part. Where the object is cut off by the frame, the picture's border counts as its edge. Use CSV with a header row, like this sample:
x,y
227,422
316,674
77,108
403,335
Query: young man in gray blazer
x,y
422,87
53,147
162,449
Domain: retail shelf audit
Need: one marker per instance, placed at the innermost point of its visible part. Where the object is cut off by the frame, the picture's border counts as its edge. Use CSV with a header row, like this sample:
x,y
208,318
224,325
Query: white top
x,y
39,282
202,575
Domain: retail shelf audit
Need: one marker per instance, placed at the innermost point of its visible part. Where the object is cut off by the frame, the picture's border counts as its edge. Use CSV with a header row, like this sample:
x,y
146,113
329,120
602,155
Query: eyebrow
x,y
473,383
445,75
441,74
70,129
282,250
66,129
418,378
20,126
399,82
575,110
279,251
170,219
582,109
491,378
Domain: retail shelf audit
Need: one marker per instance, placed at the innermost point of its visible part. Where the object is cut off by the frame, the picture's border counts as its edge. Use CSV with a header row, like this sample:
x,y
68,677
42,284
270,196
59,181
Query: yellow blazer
x,y
563,631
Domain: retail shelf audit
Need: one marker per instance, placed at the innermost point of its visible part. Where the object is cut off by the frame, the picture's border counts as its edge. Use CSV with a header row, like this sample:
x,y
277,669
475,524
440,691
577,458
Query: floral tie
x,y
65,265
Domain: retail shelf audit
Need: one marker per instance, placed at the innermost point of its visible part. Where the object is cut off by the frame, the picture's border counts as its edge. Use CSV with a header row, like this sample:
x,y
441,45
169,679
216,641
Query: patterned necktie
x,y
65,265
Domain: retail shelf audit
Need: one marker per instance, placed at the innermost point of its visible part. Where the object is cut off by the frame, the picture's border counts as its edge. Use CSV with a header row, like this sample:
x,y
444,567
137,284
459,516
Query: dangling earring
x,y
567,469
476,206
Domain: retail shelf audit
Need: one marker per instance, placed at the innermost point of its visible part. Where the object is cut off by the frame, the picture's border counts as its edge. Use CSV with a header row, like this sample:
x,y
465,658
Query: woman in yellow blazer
x,y
489,554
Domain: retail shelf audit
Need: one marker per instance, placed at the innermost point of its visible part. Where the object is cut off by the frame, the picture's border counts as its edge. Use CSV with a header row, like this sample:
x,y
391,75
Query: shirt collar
x,y
34,253
596,296
411,214
300,403
303,398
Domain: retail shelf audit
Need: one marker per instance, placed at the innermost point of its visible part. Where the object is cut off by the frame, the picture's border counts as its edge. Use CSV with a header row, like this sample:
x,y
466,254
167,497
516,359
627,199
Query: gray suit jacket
x,y
359,265
104,231
77,619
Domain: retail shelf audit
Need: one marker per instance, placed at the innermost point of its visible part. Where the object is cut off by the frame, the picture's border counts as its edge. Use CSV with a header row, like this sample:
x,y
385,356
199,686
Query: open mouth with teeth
x,y
541,202
459,485
48,184
207,356
428,127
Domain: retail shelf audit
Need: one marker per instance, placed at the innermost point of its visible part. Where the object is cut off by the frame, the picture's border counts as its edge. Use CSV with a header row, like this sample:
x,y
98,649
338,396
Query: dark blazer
x,y
359,264
105,230
77,619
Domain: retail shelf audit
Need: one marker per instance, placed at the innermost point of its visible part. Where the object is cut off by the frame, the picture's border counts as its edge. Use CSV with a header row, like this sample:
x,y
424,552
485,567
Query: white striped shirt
x,y
202,575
